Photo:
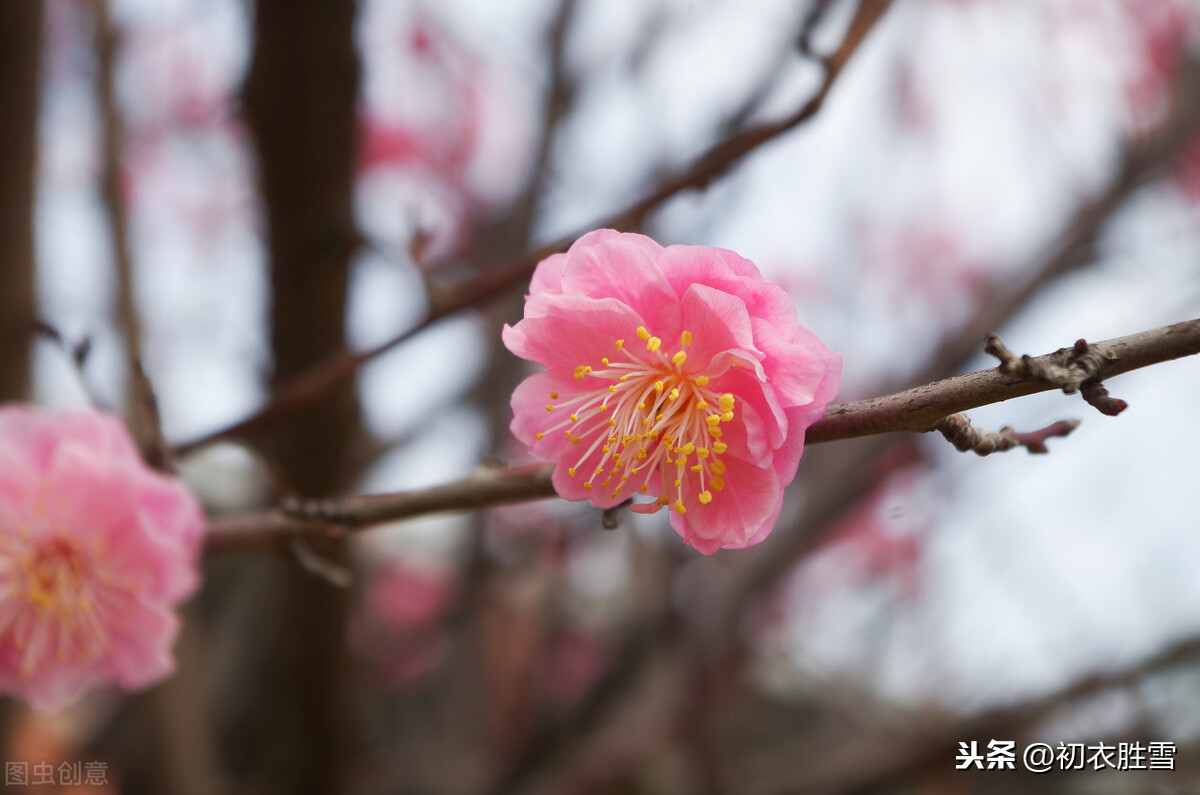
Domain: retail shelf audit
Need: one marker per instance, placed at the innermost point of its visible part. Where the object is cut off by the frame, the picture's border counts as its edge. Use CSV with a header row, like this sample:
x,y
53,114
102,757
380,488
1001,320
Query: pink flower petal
x,y
104,550
679,374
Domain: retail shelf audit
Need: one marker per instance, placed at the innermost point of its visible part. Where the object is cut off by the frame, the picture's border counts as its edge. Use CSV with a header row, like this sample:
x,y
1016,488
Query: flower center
x,y
648,413
52,609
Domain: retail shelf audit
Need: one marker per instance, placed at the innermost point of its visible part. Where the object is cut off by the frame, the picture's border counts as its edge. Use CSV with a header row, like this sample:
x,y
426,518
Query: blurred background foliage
x,y
225,193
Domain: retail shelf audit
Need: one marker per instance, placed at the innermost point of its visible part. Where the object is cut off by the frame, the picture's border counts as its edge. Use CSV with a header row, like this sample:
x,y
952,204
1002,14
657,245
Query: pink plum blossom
x,y
96,551
678,373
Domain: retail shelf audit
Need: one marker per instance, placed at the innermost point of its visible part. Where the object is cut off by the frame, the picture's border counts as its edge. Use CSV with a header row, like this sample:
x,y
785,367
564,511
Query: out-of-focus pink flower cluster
x,y
96,551
399,627
676,373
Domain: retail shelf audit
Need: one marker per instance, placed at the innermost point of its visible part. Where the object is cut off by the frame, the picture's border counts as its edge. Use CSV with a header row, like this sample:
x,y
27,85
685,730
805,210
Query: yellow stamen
x,y
679,506
701,380
642,333
653,344
679,358
685,338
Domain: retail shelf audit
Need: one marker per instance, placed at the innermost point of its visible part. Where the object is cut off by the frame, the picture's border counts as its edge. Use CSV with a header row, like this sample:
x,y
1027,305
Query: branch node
x,y
1075,369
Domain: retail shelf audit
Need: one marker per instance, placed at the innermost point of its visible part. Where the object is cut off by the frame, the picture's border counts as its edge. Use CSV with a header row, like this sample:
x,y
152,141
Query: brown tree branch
x,y
919,409
312,384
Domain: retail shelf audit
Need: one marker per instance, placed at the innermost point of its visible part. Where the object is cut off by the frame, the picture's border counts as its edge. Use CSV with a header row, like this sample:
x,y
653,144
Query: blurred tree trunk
x,y
301,97
20,57
20,52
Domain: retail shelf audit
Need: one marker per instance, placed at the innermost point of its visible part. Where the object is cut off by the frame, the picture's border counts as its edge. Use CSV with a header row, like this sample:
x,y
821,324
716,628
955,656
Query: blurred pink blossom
x,y
678,373
96,551
398,628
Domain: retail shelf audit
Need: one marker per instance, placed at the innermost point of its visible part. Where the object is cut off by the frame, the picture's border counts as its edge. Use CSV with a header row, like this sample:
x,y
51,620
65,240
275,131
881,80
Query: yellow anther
x,y
620,344
688,449
549,407
702,405
567,433
718,467
624,378
574,418
612,423
719,447
659,416
642,333
705,497
679,506
658,386
539,435
673,394
701,380
554,396
679,358
715,432
685,338
726,402
604,361
653,344
727,417
576,440
587,486
662,500
606,483
644,488
571,471
616,491
582,370
668,439
612,387
641,406
677,484
718,483
702,452
697,467
712,420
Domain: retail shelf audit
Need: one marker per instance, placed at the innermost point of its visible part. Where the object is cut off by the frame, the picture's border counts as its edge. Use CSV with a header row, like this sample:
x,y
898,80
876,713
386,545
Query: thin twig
x,y
965,437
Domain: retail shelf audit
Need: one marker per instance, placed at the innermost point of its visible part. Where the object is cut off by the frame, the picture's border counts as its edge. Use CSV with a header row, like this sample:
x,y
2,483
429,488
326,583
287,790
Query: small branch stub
x,y
1075,369
965,437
